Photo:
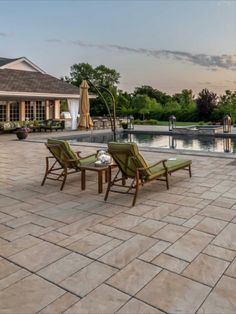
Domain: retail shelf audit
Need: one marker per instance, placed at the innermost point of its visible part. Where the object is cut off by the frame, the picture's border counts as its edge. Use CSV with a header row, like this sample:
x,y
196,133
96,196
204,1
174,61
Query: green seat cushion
x,y
171,165
179,163
87,160
156,171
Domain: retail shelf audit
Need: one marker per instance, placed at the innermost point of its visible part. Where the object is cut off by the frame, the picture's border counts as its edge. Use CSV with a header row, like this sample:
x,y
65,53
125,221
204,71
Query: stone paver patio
x,y
70,252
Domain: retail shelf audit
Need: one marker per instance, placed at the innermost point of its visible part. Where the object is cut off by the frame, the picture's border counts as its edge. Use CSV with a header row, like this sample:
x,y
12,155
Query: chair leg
x,y
109,184
189,170
136,190
46,172
167,181
64,180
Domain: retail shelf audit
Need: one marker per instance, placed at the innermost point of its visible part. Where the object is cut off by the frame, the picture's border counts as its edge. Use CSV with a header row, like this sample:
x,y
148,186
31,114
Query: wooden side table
x,y
100,170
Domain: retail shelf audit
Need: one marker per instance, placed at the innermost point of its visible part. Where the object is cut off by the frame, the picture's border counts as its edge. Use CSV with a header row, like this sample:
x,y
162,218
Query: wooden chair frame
x,y
137,180
57,170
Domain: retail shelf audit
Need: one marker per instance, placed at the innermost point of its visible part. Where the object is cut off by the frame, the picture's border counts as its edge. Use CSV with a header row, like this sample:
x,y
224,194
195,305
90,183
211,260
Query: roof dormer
x,y
21,64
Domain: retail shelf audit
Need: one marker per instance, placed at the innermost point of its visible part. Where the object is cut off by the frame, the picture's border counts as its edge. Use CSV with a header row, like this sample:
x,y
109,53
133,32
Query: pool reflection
x,y
212,144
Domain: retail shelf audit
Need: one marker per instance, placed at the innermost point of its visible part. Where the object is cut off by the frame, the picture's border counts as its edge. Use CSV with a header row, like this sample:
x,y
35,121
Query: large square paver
x,y
39,256
148,227
222,299
88,278
154,251
173,293
60,305
211,225
185,212
124,221
190,245
103,300
134,276
206,269
231,271
29,295
170,233
90,243
227,237
135,306
217,251
64,267
171,263
7,268
218,213
126,252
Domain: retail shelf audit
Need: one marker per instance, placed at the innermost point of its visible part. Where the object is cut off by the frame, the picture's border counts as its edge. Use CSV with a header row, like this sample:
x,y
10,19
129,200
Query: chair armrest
x,y
88,156
163,161
78,154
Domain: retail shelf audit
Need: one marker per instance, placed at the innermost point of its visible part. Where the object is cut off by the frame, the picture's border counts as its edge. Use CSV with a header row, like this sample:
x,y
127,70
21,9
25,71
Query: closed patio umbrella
x,y
85,119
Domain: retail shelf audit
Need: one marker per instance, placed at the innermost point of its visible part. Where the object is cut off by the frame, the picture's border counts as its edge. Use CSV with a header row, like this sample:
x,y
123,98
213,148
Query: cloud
x,y
54,40
211,62
3,34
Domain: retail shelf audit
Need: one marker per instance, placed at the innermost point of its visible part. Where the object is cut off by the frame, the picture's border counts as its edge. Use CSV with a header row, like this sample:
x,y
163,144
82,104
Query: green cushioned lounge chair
x,y
65,161
133,166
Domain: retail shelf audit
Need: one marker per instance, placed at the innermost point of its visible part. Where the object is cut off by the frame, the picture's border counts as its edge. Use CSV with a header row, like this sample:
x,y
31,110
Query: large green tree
x,y
100,76
206,103
159,96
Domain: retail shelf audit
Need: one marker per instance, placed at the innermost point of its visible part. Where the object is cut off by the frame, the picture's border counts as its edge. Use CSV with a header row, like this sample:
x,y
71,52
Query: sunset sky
x,y
170,45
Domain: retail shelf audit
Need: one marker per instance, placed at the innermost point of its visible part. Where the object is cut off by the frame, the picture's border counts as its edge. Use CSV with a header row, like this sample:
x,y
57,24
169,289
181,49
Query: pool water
x,y
204,143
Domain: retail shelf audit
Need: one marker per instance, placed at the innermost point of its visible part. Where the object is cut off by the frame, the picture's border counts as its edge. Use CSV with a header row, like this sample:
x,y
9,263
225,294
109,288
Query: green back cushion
x,y
64,152
123,153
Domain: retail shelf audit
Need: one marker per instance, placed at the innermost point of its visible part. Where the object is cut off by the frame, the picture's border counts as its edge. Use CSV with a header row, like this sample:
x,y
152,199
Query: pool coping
x,y
148,149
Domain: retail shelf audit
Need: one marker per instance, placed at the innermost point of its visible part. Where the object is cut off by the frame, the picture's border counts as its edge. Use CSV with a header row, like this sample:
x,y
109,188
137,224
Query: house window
x,y
29,110
14,111
3,110
40,110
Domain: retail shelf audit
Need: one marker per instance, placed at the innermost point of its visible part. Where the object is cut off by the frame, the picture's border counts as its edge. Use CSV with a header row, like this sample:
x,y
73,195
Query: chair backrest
x,y
128,158
62,151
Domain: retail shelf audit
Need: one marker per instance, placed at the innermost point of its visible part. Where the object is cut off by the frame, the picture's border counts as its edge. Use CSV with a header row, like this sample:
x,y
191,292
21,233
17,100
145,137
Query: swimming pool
x,y
204,143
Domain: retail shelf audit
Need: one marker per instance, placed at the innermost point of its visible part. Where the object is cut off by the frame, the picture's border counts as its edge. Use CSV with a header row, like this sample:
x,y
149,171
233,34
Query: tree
x,y
100,76
124,104
159,96
103,76
227,105
206,103
185,98
143,105
78,72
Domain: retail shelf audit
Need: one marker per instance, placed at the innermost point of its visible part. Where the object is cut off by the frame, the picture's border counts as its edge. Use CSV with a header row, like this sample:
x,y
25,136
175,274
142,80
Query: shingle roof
x,y
34,82
4,61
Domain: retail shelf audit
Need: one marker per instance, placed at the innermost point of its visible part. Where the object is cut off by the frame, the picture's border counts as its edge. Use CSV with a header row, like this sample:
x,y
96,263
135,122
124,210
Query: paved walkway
x,y
174,252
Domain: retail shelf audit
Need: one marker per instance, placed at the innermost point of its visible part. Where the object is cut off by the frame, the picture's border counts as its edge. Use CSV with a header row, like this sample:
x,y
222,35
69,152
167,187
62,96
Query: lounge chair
x,y
65,161
133,166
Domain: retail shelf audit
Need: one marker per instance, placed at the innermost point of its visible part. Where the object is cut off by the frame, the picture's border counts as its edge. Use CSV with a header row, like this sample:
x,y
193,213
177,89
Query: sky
x,y
169,45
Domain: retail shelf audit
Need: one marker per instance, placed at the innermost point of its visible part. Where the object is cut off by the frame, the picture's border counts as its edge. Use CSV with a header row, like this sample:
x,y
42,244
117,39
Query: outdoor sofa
x,y
51,125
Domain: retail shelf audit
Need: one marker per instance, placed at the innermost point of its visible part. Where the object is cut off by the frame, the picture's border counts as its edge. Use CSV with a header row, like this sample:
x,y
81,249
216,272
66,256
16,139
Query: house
x,y
29,93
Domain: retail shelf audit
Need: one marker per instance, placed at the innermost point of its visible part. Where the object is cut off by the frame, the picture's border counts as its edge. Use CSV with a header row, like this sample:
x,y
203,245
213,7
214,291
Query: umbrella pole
x,y
113,121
